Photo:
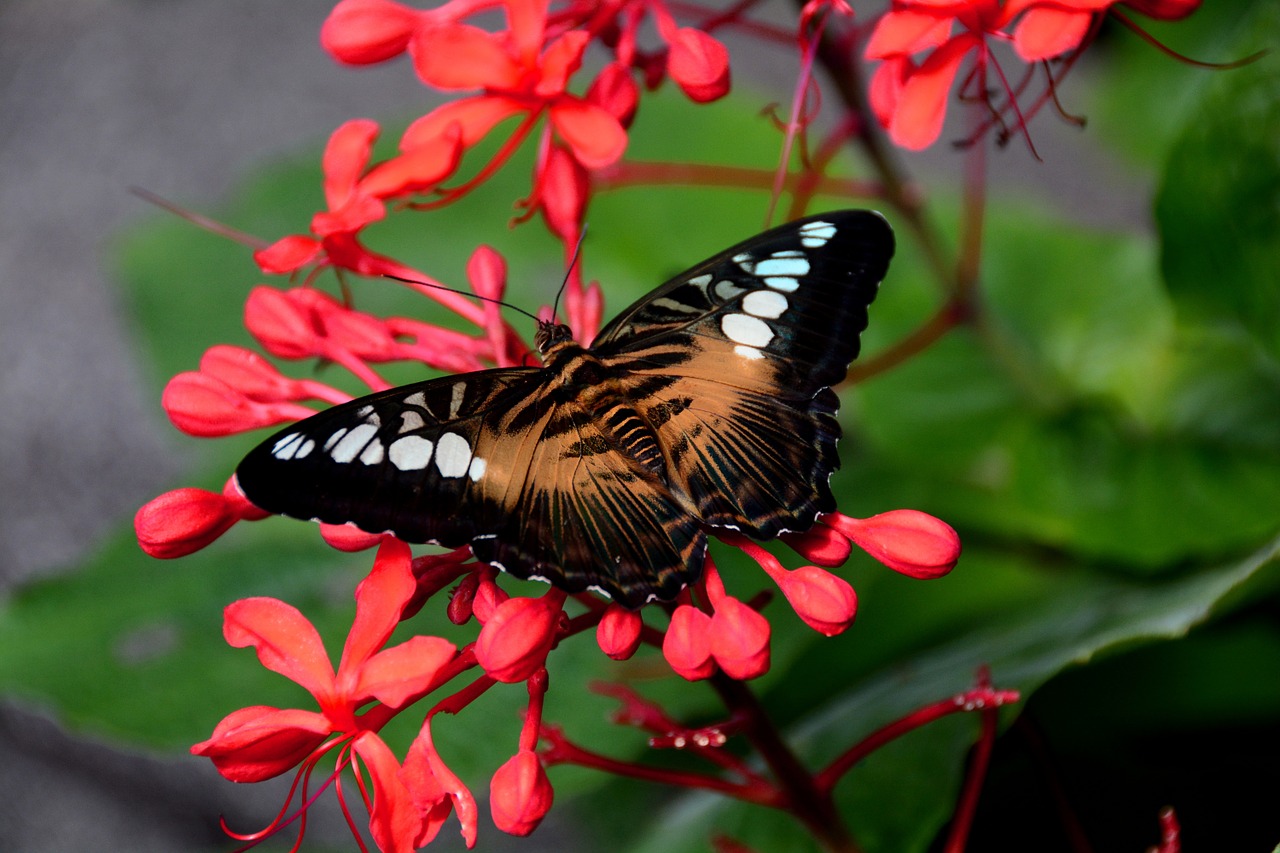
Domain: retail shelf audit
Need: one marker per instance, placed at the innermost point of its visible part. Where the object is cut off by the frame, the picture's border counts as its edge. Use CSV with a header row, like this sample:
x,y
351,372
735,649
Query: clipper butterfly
x,y
706,404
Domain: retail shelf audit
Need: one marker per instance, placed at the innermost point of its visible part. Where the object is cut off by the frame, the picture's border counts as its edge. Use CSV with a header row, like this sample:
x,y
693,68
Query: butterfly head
x,y
551,336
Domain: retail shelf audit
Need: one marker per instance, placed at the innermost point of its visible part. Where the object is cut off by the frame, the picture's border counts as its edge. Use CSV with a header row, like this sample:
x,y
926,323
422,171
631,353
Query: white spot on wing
x,y
781,264
410,420
765,303
476,471
748,352
410,453
287,446
455,402
783,283
352,443
701,280
416,399
334,439
744,329
453,455
305,449
816,234
372,453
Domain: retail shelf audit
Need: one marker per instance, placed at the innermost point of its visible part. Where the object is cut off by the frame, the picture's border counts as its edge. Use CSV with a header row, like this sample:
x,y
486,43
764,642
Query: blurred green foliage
x,y
1106,440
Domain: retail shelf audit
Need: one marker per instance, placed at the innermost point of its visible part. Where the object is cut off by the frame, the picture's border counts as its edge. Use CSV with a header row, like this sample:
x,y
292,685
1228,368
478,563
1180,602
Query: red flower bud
x,y
514,643
280,324
739,639
906,540
687,644
699,64
349,538
489,596
362,32
520,794
183,521
619,632
820,545
616,91
462,599
825,602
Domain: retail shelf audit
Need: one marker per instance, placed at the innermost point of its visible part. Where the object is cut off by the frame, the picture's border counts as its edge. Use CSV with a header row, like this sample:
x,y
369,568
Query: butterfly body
x,y
705,404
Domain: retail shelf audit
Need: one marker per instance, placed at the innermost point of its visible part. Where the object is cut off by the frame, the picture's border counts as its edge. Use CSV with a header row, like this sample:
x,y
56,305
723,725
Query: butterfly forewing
x,y
705,404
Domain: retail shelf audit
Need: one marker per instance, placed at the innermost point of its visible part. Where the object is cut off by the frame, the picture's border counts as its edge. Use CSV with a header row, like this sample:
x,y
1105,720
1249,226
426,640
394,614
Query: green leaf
x,y
1218,206
899,798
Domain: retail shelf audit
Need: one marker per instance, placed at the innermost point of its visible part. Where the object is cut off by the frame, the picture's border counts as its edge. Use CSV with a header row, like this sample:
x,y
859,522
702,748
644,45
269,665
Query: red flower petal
x,y
917,120
596,137
362,32
394,820
563,187
474,117
426,775
699,64
345,157
520,795
260,742
1045,32
287,254
394,676
562,57
285,642
182,522
687,644
379,599
464,57
908,31
417,169
821,545
739,639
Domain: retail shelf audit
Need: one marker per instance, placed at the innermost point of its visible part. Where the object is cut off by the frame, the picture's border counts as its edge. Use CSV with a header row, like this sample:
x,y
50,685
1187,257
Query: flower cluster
x,y
921,45
530,78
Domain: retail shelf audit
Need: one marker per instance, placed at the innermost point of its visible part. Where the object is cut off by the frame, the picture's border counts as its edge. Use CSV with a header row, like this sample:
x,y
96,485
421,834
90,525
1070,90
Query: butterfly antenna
x,y
573,262
421,283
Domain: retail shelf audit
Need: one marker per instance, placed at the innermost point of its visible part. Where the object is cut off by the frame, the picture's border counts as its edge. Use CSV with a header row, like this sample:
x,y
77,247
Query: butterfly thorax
x,y
608,420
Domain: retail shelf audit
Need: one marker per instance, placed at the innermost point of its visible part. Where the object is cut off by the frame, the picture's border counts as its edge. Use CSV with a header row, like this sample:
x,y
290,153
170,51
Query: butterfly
x,y
706,404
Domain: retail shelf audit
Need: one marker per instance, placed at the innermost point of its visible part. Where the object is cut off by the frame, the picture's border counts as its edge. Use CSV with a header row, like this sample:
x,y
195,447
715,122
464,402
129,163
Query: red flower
x,y
261,742
519,78
355,197
435,791
921,55
687,643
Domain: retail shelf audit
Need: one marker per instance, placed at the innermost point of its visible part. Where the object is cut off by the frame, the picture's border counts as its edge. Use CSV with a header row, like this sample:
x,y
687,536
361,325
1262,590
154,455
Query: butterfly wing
x,y
499,460
738,355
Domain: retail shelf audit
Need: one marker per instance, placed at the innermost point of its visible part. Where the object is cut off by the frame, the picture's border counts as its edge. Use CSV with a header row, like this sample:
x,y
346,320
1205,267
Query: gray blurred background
x,y
182,97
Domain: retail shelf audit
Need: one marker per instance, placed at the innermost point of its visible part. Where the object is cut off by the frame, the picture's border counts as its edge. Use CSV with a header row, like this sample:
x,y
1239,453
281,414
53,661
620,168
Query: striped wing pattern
x,y
705,404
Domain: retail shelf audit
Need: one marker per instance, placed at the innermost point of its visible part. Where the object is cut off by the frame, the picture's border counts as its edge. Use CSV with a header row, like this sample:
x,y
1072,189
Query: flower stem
x,y
812,807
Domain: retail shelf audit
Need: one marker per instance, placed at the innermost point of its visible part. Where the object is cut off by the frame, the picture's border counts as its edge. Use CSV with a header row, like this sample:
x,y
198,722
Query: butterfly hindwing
x,y
705,404
748,344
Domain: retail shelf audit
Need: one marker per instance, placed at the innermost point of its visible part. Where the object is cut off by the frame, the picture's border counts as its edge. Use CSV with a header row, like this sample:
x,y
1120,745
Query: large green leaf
x,y
1219,201
899,798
